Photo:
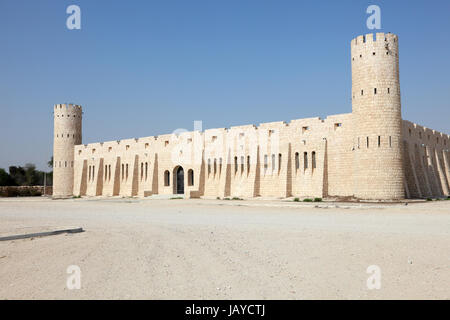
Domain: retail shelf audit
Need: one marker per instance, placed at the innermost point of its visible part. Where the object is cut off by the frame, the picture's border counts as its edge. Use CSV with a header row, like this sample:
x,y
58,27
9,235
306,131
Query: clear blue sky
x,y
142,68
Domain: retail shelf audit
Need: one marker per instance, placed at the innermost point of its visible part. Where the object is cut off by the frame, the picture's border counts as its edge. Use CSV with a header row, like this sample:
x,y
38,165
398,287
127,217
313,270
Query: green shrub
x,y
176,198
429,199
236,198
226,198
307,200
317,199
218,198
296,199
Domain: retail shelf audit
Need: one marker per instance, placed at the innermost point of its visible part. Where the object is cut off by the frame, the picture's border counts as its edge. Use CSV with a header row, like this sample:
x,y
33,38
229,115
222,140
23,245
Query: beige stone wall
x,y
426,161
243,161
370,153
67,134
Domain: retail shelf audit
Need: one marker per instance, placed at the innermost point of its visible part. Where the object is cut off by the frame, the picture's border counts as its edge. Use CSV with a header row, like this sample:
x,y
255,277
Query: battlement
x,y
61,110
370,39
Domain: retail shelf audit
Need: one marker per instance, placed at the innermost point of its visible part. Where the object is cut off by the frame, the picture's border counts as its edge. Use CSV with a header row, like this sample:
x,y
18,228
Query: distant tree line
x,y
25,176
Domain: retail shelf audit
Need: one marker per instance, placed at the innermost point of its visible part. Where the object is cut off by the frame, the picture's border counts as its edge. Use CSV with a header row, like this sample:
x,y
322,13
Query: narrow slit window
x,y
190,177
379,141
313,159
297,161
273,162
279,162
235,165
305,160
146,171
166,178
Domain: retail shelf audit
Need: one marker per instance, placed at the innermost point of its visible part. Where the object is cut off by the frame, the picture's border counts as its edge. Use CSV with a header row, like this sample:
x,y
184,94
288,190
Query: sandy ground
x,y
208,249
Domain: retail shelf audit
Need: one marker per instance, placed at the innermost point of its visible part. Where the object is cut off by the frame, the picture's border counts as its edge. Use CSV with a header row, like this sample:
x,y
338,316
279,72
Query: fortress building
x,y
370,153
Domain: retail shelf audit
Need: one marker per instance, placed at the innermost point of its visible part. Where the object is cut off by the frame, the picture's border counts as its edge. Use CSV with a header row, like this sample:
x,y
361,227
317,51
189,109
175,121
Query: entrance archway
x,y
179,180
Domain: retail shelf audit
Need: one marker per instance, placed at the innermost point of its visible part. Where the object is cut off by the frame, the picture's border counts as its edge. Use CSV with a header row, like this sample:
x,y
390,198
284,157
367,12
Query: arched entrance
x,y
179,180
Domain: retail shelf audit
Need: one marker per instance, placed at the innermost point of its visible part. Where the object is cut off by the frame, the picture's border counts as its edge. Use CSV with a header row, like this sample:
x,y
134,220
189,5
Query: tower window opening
x,y
93,172
142,170
360,55
215,166
362,92
106,172
248,164
390,141
374,90
235,165
273,162
65,164
389,90
123,171
373,53
379,141
297,161
209,167
409,130
89,176
242,164
220,166
109,172
367,141
265,162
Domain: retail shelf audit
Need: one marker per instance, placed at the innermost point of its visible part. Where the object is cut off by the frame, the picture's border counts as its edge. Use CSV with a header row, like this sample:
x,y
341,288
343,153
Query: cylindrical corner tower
x,y
376,107
67,134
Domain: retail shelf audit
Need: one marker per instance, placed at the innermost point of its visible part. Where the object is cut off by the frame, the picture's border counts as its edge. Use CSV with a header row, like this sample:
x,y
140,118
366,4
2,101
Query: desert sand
x,y
217,249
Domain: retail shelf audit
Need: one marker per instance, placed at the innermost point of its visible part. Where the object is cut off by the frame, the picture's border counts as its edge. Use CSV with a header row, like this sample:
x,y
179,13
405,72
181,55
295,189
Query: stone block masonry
x,y
371,153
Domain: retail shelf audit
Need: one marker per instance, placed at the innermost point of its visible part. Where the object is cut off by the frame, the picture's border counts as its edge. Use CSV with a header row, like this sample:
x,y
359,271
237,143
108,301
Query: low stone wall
x,y
25,191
